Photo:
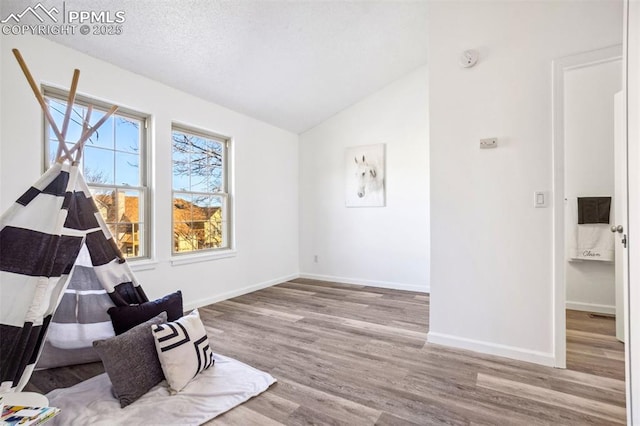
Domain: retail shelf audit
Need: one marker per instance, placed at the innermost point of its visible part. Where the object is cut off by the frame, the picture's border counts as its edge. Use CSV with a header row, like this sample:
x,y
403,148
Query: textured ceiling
x,y
289,63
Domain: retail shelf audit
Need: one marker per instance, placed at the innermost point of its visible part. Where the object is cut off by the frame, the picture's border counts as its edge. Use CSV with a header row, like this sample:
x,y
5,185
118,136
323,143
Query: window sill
x,y
142,264
202,257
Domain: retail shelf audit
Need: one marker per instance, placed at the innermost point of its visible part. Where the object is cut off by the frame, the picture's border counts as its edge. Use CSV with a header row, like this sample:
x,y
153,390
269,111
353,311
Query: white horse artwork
x,y
365,176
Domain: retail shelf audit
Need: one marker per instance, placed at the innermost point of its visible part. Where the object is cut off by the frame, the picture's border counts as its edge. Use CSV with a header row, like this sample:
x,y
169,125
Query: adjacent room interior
x,y
378,212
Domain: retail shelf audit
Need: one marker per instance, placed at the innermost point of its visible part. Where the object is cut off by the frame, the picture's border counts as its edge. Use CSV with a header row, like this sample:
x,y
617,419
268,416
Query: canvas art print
x,y
364,168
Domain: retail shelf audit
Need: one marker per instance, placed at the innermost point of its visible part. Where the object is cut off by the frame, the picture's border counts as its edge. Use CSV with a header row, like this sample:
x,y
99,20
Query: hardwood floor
x,y
592,346
355,355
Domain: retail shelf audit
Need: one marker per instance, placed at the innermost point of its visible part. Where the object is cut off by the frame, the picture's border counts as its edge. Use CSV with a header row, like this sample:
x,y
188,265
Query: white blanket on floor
x,y
216,390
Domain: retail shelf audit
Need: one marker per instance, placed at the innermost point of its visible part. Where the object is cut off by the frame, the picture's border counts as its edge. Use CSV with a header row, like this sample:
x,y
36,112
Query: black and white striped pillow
x,y
183,349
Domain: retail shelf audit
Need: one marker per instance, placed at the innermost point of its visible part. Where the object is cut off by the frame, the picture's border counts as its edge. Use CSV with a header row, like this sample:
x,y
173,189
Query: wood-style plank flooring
x,y
355,355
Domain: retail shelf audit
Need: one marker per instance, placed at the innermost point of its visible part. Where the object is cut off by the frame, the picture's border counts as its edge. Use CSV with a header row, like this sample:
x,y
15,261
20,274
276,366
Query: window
x,y
200,193
114,166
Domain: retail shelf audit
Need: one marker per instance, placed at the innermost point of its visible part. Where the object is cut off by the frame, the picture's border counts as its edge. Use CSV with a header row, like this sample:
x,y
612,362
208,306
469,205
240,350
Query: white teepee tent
x,y
58,261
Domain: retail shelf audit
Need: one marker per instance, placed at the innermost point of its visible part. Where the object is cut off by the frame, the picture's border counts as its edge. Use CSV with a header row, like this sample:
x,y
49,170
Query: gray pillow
x,y
131,361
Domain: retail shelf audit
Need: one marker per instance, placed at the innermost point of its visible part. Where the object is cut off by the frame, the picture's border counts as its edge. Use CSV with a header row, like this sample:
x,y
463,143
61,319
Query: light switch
x,y
540,199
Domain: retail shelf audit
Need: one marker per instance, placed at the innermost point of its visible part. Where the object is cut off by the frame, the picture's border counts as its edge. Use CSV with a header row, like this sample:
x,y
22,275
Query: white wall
x,y
380,246
589,171
265,169
491,250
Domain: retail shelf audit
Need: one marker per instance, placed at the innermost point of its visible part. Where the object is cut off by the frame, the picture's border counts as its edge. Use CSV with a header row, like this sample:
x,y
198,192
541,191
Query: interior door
x,y
619,224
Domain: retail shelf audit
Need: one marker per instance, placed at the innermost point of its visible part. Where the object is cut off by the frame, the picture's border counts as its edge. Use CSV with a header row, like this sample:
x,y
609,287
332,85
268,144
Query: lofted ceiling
x,y
292,64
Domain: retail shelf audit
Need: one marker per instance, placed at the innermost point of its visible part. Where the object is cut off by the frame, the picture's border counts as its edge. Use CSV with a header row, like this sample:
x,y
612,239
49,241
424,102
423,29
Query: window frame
x,y
62,95
227,250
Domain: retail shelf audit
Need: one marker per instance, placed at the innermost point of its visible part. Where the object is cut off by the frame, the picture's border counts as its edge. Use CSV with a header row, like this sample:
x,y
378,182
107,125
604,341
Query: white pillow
x,y
183,349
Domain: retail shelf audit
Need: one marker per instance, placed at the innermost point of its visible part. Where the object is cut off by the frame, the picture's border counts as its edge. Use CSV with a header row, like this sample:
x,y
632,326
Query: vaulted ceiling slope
x,y
289,63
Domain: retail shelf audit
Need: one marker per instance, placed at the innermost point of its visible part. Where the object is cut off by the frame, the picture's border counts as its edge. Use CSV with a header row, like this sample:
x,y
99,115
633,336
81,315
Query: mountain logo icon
x,y
34,11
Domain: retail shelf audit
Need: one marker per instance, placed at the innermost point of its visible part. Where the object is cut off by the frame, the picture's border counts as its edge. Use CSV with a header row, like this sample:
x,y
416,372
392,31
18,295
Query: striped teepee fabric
x,y
55,249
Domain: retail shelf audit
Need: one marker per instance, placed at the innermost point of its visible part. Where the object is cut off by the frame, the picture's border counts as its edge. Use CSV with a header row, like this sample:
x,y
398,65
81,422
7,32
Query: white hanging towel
x,y
593,241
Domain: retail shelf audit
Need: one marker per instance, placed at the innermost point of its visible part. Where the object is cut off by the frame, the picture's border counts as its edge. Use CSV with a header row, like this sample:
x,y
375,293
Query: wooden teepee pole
x,y
87,133
70,100
87,130
41,101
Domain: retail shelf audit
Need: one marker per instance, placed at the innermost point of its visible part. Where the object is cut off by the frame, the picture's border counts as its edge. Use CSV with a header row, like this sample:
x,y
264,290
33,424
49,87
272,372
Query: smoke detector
x,y
468,58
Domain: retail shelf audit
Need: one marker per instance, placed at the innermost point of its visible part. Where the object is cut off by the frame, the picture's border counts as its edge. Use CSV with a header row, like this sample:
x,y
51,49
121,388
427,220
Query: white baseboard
x,y
591,307
543,358
370,283
239,292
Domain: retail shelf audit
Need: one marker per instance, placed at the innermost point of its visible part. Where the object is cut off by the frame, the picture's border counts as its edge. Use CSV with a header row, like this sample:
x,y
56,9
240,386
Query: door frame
x,y
560,67
631,101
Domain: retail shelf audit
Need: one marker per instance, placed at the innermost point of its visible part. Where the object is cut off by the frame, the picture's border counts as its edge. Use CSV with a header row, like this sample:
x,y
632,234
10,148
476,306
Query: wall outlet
x,y
315,258
489,143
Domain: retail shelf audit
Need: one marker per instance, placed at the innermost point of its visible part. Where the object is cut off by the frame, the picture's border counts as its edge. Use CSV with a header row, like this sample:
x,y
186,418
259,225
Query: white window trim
x,y
204,255
148,260
142,264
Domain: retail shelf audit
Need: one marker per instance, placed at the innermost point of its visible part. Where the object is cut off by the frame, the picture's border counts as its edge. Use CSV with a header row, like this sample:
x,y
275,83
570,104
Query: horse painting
x,y
367,177
365,185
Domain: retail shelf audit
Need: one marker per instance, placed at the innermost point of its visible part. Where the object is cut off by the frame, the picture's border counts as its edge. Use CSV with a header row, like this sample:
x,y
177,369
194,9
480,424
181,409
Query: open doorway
x,y
595,322
589,314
